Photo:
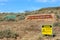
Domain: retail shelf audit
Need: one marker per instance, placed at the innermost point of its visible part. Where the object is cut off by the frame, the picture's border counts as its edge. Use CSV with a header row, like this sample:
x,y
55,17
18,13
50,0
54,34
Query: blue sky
x,y
22,5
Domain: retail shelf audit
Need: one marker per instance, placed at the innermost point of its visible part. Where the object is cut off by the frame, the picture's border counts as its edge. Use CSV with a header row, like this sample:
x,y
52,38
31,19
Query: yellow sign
x,y
46,29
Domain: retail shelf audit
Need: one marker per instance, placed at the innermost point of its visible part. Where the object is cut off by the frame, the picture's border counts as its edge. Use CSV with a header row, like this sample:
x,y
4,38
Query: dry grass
x,y
26,30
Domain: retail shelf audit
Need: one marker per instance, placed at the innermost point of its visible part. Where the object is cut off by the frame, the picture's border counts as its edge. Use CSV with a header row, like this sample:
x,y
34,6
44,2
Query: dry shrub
x,y
8,34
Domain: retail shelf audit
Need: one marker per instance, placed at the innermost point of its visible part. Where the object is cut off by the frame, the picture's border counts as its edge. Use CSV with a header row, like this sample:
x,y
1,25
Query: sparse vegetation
x,y
24,28
58,16
40,38
57,24
8,34
21,17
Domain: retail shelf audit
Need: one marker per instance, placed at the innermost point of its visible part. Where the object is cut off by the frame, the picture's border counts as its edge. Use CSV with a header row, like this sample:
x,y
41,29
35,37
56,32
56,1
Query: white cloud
x,y
47,0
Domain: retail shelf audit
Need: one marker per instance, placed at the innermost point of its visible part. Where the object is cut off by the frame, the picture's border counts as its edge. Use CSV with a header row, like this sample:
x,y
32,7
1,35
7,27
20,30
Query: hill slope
x,y
28,30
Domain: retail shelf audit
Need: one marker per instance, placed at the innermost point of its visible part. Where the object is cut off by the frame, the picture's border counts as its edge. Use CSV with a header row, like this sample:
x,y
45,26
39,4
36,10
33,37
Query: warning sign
x,y
47,29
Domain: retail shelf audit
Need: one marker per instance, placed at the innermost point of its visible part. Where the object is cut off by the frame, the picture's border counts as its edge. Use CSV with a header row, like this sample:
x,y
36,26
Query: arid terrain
x,y
29,30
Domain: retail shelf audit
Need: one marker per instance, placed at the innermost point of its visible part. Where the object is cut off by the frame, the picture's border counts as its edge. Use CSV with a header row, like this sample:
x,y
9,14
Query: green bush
x,y
10,17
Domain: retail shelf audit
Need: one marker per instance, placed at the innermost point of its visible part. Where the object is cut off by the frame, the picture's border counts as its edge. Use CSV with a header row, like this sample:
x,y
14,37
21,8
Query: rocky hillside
x,y
16,28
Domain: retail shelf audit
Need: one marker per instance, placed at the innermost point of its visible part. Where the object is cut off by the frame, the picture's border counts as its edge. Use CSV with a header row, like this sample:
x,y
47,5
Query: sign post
x,y
47,29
